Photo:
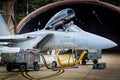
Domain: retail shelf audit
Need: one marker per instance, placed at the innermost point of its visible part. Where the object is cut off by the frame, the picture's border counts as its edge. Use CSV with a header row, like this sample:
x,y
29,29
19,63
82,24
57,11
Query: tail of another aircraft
x,y
3,27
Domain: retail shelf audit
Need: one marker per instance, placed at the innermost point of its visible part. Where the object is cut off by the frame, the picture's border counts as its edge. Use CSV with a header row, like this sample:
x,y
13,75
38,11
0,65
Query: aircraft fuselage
x,y
74,40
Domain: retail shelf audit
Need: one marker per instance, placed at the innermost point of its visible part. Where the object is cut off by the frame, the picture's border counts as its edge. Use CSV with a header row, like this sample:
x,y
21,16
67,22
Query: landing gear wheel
x,y
36,67
95,61
9,67
22,68
54,64
83,62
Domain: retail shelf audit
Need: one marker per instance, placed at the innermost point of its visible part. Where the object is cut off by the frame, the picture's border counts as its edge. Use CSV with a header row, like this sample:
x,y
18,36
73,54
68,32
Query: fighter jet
x,y
54,37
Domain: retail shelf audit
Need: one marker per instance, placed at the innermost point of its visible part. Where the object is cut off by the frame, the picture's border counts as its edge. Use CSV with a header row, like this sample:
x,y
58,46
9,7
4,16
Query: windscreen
x,y
59,17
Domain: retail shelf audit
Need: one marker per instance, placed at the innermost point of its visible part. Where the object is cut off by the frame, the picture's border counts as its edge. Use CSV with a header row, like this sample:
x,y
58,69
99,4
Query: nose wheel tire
x,y
95,61
83,62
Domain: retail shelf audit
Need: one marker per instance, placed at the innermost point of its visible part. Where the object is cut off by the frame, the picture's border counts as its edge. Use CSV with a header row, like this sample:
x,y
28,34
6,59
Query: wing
x,y
15,38
38,41
26,42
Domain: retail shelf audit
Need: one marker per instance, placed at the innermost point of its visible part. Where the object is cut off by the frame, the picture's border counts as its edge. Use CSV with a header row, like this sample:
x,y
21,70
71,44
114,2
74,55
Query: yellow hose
x,y
71,63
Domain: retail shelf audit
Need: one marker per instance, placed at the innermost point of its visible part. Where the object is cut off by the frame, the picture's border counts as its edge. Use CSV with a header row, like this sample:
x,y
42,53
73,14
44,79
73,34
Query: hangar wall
x,y
93,16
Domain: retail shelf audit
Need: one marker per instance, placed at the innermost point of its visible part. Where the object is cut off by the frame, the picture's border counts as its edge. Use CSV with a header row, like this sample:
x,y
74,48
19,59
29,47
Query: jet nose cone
x,y
109,44
115,44
99,42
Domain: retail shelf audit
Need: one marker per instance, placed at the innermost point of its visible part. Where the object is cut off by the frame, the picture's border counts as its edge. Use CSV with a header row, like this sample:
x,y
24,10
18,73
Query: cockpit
x,y
62,21
71,27
60,17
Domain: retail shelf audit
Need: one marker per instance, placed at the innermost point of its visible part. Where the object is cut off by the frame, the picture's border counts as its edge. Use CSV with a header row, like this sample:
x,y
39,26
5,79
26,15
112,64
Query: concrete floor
x,y
83,72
